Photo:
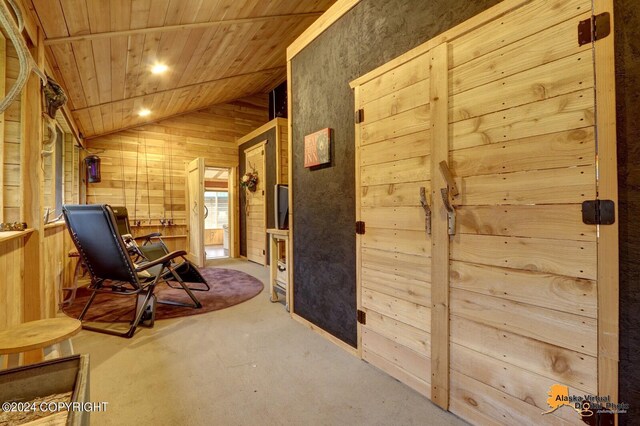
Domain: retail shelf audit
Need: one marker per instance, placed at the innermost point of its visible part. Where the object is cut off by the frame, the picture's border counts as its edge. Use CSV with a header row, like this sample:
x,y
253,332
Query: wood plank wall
x,y
71,171
11,283
33,263
159,153
283,158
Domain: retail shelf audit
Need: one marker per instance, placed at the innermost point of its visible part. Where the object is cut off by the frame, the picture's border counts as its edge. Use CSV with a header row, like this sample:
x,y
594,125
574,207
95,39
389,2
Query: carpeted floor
x,y
228,287
248,365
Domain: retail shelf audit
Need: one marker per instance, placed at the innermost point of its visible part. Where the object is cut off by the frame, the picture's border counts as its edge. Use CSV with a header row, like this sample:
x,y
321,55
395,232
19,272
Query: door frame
x,y
232,190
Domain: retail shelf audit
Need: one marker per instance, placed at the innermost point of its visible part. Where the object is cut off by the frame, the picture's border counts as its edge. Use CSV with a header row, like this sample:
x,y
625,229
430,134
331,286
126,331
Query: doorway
x,y
218,214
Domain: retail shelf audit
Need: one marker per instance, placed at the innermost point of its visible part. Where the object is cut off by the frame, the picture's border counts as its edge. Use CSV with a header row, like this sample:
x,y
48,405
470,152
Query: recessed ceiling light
x,y
144,112
159,68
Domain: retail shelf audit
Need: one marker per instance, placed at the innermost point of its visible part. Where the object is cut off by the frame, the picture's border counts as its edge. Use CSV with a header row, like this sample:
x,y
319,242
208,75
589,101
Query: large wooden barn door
x,y
256,214
393,170
523,278
523,293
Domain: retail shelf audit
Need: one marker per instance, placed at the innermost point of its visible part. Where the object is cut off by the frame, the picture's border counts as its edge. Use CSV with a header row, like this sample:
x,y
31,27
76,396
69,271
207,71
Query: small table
x,y
31,338
279,277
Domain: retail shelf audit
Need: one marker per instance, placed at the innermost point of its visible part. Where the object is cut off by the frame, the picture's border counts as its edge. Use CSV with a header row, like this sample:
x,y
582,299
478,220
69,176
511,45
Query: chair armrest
x,y
148,236
161,261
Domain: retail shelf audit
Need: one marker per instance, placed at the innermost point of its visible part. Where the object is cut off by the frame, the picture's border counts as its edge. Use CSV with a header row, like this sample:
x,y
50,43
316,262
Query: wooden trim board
x,y
358,218
260,130
353,351
3,69
290,261
335,12
608,259
439,101
172,28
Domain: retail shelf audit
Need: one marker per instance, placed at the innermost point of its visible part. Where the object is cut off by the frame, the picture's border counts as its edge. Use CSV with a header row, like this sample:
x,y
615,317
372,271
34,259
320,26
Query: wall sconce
x,y
93,168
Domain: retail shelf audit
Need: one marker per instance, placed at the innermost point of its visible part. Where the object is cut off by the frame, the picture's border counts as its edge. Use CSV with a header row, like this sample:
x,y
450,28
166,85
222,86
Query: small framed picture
x,y
317,148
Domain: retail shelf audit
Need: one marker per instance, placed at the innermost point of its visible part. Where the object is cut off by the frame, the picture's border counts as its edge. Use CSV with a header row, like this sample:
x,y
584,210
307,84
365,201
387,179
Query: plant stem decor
x,y
249,181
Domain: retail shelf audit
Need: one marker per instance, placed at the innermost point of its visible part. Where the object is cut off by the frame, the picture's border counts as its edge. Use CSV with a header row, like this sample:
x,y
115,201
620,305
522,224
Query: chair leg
x,y
141,307
196,302
149,314
86,307
195,271
142,302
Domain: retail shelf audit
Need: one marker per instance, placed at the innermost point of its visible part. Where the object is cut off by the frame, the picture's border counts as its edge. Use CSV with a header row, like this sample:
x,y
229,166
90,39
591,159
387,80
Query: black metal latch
x,y
594,28
359,116
362,317
599,212
360,227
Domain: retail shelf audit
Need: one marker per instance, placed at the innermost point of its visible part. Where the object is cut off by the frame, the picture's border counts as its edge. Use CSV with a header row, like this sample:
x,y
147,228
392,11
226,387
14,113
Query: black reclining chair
x,y
95,234
152,247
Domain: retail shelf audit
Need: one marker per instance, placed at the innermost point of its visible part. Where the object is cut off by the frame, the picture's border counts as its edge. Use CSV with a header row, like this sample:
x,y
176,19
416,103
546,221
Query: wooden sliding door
x,y
514,291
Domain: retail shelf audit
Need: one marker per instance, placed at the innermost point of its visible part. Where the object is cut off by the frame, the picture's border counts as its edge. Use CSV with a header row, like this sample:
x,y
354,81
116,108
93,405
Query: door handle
x,y
427,210
447,196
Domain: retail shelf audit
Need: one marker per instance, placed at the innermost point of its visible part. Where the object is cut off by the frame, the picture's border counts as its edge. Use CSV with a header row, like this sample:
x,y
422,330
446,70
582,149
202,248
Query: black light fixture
x,y
93,168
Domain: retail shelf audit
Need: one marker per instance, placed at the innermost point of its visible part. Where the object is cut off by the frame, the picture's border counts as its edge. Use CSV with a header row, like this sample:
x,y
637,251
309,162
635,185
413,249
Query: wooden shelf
x,y
276,283
10,235
55,224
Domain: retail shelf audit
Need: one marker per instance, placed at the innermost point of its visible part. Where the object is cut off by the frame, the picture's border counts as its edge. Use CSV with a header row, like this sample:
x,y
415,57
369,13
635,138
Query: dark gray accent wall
x,y
270,152
372,33
627,33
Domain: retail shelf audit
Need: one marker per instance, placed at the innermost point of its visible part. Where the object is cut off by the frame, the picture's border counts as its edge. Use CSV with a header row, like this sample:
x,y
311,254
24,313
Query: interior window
x,y
217,203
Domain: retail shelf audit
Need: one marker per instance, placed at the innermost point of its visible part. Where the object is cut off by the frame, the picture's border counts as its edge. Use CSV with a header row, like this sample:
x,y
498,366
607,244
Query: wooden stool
x,y
32,338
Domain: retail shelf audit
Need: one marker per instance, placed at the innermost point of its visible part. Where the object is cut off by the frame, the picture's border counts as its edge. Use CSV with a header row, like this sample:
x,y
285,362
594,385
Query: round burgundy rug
x,y
228,287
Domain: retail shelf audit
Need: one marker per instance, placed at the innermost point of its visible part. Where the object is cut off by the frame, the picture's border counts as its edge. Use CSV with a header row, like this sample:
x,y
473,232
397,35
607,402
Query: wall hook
x,y
451,211
427,210
451,182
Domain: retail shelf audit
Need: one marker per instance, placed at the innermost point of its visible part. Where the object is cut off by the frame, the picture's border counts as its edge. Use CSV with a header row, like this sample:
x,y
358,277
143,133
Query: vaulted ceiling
x,y
215,51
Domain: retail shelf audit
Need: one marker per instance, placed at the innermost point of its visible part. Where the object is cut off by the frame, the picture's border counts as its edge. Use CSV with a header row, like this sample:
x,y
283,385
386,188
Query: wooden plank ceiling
x,y
102,52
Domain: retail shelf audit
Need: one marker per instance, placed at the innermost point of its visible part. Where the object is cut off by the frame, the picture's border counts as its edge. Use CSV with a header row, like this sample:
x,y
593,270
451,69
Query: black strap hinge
x,y
362,317
599,212
594,28
359,116
360,227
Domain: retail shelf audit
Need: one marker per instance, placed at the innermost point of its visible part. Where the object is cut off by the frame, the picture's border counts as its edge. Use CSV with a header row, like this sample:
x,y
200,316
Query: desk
x,y
279,278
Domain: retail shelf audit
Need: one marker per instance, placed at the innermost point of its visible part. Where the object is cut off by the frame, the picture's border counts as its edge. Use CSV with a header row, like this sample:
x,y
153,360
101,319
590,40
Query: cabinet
x,y
278,267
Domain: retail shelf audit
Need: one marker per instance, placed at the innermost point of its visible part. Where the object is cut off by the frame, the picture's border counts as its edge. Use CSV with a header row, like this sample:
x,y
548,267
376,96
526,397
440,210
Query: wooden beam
x,y
31,20
257,132
181,27
439,99
155,120
32,192
608,259
188,86
291,189
358,139
335,12
3,69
